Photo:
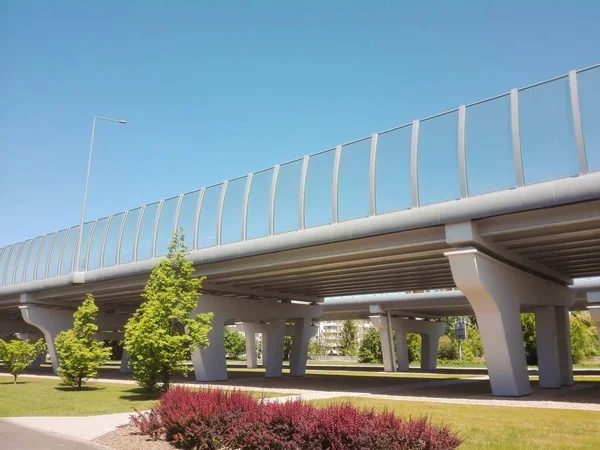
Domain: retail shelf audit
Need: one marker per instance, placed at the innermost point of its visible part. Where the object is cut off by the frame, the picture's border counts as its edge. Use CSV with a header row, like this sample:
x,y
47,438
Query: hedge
x,y
216,419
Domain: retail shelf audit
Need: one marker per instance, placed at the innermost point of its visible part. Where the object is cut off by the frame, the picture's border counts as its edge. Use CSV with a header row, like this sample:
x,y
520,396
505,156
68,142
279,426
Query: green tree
x,y
584,340
447,349
584,343
160,335
348,343
316,347
473,346
287,347
370,347
18,355
528,328
79,353
413,341
235,344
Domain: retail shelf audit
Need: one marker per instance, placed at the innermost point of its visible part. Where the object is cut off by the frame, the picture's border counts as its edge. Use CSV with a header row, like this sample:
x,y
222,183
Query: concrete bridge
x,y
499,198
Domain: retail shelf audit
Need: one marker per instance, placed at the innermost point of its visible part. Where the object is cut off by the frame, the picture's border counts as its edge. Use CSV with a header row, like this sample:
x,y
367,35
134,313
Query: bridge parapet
x,y
547,131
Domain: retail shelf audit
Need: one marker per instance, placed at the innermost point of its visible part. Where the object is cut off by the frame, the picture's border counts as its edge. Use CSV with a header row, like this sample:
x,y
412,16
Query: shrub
x,y
370,347
584,340
235,344
208,420
18,355
413,341
447,350
79,353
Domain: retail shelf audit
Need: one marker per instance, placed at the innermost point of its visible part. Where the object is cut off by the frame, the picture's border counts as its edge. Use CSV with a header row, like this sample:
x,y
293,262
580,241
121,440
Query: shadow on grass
x,y
82,389
139,394
12,383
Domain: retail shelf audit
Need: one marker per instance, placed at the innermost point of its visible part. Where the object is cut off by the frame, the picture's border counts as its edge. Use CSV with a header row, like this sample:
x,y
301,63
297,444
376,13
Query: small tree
x,y
348,338
413,340
316,347
160,335
370,347
287,347
19,354
584,340
235,344
528,328
79,353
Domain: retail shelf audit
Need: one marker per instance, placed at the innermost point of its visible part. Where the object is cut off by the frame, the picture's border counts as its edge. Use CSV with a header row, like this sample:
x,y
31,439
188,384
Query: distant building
x,y
330,333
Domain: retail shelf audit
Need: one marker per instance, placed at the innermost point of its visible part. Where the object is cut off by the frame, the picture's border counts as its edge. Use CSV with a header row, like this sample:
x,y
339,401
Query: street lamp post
x,y
87,182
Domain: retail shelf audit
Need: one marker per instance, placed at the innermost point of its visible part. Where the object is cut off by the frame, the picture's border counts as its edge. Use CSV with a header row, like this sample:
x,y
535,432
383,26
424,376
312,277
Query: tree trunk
x,y
79,383
15,380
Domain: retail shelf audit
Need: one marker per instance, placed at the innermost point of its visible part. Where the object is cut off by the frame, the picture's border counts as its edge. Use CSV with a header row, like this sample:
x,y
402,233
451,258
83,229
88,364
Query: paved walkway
x,y
81,427
17,437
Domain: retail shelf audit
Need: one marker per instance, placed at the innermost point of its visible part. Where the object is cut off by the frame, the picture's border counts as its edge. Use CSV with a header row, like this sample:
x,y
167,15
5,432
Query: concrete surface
x,y
16,437
84,427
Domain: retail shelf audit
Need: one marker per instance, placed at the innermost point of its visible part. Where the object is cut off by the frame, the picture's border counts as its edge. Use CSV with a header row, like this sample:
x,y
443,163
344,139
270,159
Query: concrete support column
x,y
386,350
500,327
125,363
565,357
50,322
251,354
274,352
429,351
210,363
265,346
496,291
547,347
488,289
402,351
303,332
429,330
250,330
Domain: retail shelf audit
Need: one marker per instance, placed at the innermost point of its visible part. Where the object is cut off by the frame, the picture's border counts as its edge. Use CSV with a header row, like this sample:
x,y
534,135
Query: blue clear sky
x,y
214,90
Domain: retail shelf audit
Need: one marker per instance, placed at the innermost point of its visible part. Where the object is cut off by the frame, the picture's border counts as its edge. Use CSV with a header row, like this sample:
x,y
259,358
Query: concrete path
x,y
83,427
17,437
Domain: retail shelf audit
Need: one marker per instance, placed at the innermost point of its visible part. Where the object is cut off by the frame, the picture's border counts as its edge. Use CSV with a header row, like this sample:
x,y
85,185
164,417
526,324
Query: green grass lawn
x,y
497,427
46,397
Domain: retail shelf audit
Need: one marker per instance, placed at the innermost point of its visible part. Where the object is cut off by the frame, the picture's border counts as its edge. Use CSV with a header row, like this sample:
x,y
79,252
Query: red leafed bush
x,y
213,420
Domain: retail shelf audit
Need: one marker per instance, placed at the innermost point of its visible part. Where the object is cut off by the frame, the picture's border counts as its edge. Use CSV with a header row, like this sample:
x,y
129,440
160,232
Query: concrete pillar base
x,y
496,291
565,356
430,336
302,333
258,316
547,347
125,363
251,354
274,351
402,351
50,322
210,363
429,350
386,349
